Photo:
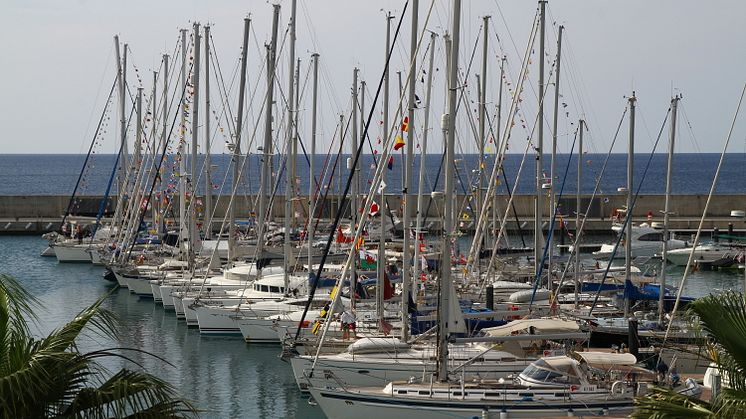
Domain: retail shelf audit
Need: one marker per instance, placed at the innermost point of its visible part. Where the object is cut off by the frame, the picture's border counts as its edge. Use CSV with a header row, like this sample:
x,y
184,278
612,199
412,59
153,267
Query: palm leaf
x,y
129,393
723,316
662,403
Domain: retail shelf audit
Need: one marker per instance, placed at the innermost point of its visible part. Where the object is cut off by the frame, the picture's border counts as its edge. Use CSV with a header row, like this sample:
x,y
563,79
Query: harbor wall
x,y
35,214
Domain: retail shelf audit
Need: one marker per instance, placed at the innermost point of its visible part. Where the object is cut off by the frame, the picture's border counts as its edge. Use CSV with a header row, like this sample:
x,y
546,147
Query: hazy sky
x,y
58,61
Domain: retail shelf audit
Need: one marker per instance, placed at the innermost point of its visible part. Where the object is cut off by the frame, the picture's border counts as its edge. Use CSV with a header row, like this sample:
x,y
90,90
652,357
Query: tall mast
x,y
237,143
539,206
354,190
449,125
138,134
482,86
290,162
666,213
208,162
423,155
154,136
164,136
381,262
193,233
183,231
266,183
497,142
137,161
122,131
552,204
581,127
630,183
407,164
311,184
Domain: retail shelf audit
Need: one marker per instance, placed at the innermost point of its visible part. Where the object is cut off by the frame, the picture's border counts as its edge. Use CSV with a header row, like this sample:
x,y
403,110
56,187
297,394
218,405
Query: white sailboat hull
x,y
339,404
72,253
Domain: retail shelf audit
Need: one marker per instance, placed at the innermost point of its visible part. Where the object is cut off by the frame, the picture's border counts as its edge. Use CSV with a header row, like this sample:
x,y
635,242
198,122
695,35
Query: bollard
x,y
715,386
490,297
716,235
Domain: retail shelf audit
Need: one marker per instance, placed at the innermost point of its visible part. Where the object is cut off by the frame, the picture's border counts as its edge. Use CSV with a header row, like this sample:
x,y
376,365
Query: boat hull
x,y
344,404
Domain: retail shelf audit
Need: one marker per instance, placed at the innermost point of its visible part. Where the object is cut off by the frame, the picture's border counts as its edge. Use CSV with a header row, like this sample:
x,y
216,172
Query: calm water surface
x,y
225,376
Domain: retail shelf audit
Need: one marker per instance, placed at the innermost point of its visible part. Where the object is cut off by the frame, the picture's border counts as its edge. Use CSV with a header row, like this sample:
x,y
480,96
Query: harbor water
x,y
223,376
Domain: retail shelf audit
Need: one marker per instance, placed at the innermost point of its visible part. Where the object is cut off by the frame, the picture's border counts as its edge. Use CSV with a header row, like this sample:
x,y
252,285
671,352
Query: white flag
x,y
382,186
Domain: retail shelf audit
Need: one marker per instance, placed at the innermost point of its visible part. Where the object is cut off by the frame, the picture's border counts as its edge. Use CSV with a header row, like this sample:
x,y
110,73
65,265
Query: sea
x,y
58,174
225,376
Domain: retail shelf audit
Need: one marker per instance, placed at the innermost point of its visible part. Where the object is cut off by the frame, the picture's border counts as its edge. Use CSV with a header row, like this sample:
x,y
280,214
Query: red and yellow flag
x,y
405,124
398,143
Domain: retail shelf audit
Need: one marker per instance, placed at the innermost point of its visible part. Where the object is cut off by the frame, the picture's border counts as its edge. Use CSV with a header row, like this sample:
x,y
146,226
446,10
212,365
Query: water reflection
x,y
224,376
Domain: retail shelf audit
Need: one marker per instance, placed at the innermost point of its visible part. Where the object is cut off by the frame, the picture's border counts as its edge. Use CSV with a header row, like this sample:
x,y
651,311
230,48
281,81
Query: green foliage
x,y
723,318
49,378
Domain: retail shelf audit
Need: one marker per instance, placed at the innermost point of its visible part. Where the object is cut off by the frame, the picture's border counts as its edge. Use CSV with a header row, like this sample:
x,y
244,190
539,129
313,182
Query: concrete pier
x,y
38,214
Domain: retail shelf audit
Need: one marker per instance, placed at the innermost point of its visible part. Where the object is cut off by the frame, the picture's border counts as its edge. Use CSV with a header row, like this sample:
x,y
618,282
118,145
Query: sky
x,y
58,63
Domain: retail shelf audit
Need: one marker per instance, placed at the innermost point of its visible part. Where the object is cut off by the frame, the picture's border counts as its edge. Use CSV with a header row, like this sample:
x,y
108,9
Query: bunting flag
x,y
374,208
399,143
390,164
382,186
405,124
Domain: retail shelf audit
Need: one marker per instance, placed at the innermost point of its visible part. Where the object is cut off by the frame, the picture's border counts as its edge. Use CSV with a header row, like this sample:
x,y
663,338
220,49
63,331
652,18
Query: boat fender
x,y
618,388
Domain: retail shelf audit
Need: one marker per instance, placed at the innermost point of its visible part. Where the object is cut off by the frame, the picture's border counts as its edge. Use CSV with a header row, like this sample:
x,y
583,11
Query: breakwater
x,y
38,214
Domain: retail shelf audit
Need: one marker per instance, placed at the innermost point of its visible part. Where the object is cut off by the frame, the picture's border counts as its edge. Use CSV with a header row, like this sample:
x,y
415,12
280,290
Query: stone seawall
x,y
34,214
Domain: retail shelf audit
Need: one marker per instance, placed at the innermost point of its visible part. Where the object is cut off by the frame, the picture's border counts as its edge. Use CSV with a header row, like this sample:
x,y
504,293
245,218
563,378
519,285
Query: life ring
x,y
618,388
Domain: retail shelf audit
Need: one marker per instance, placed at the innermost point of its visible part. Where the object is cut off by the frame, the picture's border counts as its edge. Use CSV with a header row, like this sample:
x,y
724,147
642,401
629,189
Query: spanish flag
x,y
398,143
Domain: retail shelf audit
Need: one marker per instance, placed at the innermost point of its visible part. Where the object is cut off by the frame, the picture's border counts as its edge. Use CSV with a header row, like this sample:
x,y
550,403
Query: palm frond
x,y
731,404
96,317
662,403
723,316
130,393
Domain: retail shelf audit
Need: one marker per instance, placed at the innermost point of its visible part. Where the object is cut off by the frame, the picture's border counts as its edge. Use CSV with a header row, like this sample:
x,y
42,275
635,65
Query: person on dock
x,y
348,324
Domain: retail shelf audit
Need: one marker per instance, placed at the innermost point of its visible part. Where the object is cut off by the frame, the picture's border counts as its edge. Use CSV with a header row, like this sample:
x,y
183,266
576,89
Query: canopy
x,y
607,358
539,326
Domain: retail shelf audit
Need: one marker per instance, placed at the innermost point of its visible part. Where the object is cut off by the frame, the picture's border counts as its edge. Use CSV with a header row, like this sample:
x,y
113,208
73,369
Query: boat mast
x,y
138,134
423,155
154,136
164,136
539,202
266,177
482,86
311,183
193,233
208,163
381,262
630,175
407,164
290,161
497,143
354,190
121,81
448,123
666,210
232,235
552,197
182,151
581,127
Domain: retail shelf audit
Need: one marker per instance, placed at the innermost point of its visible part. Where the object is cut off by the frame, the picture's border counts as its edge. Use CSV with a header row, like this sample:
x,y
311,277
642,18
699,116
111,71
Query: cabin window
x,y
274,289
265,288
424,393
651,237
